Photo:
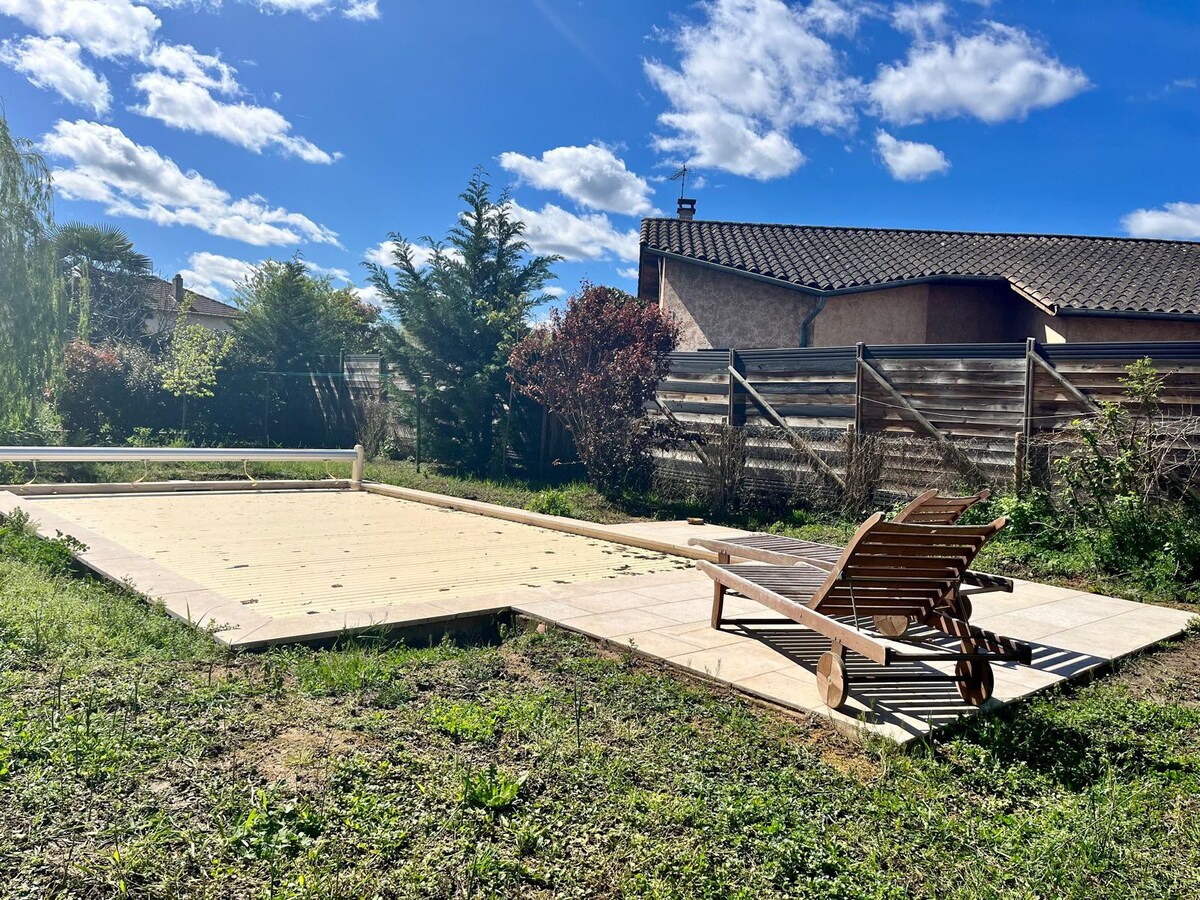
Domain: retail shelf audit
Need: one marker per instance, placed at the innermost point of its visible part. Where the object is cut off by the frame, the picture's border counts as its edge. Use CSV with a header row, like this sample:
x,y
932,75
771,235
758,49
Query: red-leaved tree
x,y
595,366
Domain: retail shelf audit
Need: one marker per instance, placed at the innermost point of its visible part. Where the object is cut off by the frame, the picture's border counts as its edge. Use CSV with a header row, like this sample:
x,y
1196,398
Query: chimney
x,y
686,209
179,289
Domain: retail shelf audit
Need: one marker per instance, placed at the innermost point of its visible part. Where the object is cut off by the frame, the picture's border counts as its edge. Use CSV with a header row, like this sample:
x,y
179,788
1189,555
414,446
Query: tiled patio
x,y
262,569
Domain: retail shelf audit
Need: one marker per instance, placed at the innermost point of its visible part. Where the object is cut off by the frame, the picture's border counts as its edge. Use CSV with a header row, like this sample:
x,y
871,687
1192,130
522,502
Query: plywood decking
x,y
294,553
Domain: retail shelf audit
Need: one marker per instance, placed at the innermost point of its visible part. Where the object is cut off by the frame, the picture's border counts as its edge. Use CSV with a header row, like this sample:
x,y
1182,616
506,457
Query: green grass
x,y
138,759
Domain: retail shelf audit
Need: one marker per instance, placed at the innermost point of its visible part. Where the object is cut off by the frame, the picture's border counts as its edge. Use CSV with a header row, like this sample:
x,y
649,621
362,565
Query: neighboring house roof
x,y
162,296
1067,273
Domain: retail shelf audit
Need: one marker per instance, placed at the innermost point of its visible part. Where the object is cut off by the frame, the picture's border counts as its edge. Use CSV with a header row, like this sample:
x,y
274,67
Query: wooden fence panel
x,y
937,413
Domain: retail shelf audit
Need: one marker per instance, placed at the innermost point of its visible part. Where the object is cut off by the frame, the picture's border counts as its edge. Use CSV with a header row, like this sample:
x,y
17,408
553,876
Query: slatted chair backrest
x,y
930,509
891,568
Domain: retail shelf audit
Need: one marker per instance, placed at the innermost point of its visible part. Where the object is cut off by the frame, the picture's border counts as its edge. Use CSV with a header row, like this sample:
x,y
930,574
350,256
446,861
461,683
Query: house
x,y
747,285
166,297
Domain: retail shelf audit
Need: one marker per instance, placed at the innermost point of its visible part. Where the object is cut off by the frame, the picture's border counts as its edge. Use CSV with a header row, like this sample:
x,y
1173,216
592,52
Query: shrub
x,y
18,539
1128,485
550,503
595,367
107,391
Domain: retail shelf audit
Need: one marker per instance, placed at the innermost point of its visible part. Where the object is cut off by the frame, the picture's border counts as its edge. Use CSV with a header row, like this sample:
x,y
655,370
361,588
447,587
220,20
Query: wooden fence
x,y
978,408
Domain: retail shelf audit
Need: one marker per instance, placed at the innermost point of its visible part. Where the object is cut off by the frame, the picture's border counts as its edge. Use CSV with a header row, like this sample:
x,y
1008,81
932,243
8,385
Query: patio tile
x,y
701,636
733,662
656,644
781,687
683,611
1121,634
682,590
551,610
610,602
617,623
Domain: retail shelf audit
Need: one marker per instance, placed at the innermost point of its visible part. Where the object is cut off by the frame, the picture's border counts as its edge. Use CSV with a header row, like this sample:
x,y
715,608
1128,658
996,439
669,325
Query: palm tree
x,y
107,281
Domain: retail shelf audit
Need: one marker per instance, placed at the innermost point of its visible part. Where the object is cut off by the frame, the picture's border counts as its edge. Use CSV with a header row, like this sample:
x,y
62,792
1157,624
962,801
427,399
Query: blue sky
x,y
222,133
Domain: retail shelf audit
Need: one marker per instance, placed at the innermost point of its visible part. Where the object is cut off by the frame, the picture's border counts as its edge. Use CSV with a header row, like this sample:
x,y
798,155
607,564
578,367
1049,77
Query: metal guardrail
x,y
245,455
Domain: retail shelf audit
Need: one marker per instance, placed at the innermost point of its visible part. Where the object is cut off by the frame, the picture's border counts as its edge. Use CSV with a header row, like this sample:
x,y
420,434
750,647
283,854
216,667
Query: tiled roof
x,y
1079,273
161,295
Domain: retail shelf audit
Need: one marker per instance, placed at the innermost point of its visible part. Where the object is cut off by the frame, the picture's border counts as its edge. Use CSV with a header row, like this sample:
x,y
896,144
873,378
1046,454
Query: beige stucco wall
x,y
721,309
1062,329
718,309
894,316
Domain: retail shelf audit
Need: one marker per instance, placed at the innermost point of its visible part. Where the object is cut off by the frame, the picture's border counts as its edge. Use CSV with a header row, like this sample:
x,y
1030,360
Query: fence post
x,y
736,412
417,398
356,468
859,353
1021,450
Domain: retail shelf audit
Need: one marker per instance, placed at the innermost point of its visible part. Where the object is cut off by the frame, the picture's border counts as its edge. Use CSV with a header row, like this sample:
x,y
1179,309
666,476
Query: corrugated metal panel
x,y
944,351
1122,350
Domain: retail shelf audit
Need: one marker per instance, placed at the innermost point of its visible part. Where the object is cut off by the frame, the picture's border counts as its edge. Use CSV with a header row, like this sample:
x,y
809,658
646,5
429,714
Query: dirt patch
x,y
297,756
1170,675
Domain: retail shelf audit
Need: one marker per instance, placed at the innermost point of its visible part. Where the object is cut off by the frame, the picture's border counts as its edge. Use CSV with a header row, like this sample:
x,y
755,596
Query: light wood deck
x,y
292,553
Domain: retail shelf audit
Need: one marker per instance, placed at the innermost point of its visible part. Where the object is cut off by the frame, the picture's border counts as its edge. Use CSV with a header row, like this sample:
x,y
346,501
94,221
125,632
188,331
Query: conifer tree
x,y
458,318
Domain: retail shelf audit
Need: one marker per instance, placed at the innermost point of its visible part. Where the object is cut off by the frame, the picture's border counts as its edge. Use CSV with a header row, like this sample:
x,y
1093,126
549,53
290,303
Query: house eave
x,y
1050,309
1129,314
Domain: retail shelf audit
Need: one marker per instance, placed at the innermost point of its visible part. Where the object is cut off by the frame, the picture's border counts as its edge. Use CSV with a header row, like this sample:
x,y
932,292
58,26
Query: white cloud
x,y
631,273
369,294
921,20
105,28
748,75
132,180
187,63
909,160
575,237
214,275
55,64
592,176
998,74
833,17
554,291
361,10
219,276
358,10
328,272
190,106
1180,221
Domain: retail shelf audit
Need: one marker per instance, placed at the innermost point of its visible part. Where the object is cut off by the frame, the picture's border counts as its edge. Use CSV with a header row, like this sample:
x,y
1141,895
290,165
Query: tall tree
x,y
29,298
458,318
107,282
292,327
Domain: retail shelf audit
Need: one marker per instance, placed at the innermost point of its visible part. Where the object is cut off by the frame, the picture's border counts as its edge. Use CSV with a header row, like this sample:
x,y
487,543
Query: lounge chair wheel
x,y
891,626
831,679
975,680
963,608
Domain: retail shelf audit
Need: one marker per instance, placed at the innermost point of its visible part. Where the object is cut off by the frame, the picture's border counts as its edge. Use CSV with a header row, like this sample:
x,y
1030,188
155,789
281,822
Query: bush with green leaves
x,y
1129,487
19,540
551,502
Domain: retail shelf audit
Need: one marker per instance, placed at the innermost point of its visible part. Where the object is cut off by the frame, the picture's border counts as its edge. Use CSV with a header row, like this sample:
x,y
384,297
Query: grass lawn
x,y
137,759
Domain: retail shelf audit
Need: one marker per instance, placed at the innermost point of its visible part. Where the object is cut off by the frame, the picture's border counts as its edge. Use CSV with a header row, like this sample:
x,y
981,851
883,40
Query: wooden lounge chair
x,y
927,508
888,571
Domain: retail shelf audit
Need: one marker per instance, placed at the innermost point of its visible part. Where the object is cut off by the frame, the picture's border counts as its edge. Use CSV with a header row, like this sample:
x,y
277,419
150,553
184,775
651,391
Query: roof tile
x,y
1091,273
